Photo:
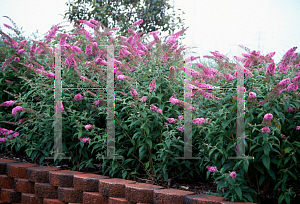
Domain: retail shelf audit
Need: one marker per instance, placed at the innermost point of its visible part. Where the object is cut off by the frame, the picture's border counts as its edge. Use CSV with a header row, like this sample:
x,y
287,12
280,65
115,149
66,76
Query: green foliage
x,y
148,146
114,13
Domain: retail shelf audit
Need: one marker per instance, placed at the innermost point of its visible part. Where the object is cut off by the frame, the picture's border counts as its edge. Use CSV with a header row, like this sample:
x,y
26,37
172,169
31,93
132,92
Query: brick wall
x,y
31,184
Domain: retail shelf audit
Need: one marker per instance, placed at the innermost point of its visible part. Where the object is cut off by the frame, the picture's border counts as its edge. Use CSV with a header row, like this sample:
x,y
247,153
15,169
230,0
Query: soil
x,y
182,184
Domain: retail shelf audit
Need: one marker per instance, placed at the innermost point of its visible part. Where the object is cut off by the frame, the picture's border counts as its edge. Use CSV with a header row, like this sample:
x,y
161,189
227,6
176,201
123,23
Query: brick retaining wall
x,y
31,184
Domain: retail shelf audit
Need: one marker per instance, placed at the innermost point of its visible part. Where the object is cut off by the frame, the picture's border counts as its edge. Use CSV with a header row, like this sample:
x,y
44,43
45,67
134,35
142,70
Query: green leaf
x,y
246,165
293,175
261,180
266,149
287,198
34,155
149,141
285,176
276,186
288,149
281,197
266,161
124,174
248,196
168,143
272,174
238,191
147,130
286,160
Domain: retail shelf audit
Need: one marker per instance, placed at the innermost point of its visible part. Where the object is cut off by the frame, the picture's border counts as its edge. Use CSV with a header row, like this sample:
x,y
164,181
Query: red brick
x,y
40,174
114,187
70,195
53,201
140,192
87,182
203,198
23,186
170,196
18,170
6,182
63,178
3,165
112,200
93,197
29,198
227,202
45,190
10,196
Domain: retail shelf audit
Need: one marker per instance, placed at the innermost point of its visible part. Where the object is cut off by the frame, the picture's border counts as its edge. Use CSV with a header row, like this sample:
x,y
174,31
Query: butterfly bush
x,y
133,48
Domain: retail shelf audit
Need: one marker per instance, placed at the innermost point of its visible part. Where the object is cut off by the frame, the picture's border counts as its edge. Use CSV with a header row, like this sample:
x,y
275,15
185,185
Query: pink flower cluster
x,y
89,126
252,95
121,77
61,107
198,121
15,110
144,98
152,85
84,140
99,102
287,59
181,129
153,107
78,97
214,168
232,174
83,78
211,168
133,92
7,103
265,130
267,119
6,132
177,102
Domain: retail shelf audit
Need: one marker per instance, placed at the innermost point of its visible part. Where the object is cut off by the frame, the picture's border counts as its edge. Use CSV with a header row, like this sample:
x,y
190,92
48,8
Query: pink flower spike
x,y
50,75
144,98
212,168
268,116
171,120
76,49
78,97
153,107
181,129
180,117
265,130
152,85
138,22
7,26
21,51
7,103
17,59
252,95
89,126
16,110
298,128
121,77
99,102
83,78
159,111
232,174
133,92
